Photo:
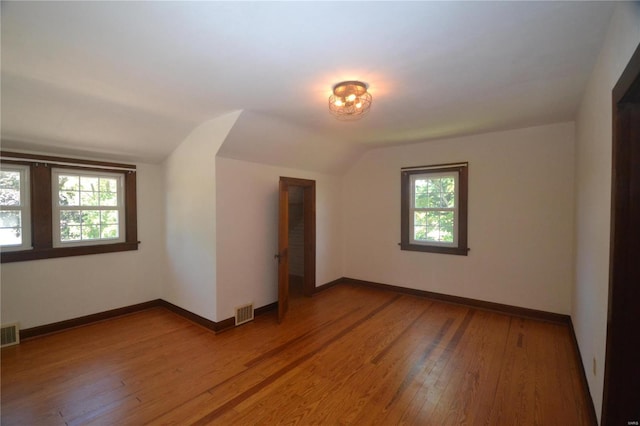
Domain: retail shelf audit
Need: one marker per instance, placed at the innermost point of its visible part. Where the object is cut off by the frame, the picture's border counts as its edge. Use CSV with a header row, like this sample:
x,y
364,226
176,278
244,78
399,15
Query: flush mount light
x,y
350,100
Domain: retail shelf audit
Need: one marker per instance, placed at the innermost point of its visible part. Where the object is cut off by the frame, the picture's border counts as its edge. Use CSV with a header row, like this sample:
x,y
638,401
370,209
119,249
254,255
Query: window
x,y
15,222
434,209
87,207
58,207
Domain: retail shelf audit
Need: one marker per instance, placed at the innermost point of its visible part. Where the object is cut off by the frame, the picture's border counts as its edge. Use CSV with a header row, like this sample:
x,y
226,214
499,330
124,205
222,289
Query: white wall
x,y
593,193
40,292
247,231
520,218
190,186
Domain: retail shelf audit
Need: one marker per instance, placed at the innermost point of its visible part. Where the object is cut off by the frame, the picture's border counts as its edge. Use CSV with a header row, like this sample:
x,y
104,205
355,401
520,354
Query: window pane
x,y
9,197
91,184
90,232
10,228
99,212
441,193
108,199
108,185
70,232
90,218
421,186
71,217
109,217
10,236
68,183
9,180
421,200
81,225
434,199
68,190
420,233
69,198
9,188
10,218
89,198
439,226
109,231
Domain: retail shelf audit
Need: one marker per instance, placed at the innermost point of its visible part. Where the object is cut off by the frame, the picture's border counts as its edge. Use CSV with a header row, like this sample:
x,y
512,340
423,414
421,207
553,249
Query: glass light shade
x,y
350,100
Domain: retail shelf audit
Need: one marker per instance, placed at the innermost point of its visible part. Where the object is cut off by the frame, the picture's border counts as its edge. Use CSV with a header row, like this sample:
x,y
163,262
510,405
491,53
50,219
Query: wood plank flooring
x,y
349,355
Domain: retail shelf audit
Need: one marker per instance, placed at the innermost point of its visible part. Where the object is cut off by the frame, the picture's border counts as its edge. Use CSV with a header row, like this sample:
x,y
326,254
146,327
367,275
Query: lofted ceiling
x,y
131,80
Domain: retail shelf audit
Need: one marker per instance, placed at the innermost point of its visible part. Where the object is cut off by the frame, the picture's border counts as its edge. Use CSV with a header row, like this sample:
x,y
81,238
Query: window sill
x,y
51,253
460,251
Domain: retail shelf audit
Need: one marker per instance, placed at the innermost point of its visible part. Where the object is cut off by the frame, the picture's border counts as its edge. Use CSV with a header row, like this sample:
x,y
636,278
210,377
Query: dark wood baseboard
x,y
474,303
202,321
55,327
494,307
227,324
265,309
328,285
217,327
583,377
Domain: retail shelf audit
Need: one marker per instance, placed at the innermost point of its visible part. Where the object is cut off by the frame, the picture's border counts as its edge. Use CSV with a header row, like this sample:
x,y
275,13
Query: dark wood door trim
x,y
622,371
283,249
309,211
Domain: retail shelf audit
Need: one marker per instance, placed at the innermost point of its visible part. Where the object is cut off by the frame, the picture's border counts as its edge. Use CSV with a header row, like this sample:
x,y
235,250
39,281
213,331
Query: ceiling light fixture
x,y
350,100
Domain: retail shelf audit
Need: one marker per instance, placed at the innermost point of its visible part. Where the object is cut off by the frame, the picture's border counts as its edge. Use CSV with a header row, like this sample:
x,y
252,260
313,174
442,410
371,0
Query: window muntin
x,y
434,209
88,207
43,199
15,217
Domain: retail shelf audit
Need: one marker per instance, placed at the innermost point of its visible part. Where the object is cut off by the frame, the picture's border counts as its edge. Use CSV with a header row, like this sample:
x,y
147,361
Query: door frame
x,y
309,219
622,374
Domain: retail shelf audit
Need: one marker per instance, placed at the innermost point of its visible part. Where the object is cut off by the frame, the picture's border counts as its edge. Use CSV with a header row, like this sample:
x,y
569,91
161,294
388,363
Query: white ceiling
x,y
130,80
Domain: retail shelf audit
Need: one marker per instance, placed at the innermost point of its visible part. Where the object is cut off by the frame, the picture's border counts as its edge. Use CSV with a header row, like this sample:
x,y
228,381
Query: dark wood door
x,y
621,403
309,213
283,249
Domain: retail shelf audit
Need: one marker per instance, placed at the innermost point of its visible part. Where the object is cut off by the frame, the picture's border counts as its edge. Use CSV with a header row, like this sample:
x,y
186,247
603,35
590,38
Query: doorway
x,y
296,240
621,401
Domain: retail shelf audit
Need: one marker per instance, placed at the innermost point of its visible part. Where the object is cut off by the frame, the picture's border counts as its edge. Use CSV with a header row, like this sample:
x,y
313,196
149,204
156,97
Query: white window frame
x,y
56,208
413,208
24,208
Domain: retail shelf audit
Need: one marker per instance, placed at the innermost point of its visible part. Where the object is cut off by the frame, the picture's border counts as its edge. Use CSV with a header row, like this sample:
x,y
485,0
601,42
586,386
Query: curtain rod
x,y
65,163
437,166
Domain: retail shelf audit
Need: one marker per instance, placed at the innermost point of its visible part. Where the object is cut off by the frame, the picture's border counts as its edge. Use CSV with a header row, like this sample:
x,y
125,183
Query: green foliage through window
x,y
10,208
54,207
434,209
88,207
434,200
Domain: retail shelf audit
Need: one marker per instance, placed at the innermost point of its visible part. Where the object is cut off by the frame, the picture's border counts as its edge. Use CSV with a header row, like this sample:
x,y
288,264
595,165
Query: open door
x,y
309,213
283,249
621,400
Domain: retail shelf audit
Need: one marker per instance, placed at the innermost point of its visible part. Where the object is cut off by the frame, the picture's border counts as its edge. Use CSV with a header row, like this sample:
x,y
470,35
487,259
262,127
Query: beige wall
x,y
593,194
520,218
247,231
45,291
190,187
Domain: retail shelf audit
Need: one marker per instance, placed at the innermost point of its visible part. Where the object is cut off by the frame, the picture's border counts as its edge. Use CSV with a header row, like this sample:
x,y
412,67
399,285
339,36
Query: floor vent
x,y
244,314
9,334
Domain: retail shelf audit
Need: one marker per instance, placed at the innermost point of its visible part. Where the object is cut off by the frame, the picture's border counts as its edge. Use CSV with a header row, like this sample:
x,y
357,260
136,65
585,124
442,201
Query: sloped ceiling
x,y
130,80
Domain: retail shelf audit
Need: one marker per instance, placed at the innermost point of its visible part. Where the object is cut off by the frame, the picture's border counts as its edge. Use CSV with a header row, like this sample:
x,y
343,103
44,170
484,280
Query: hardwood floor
x,y
349,355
